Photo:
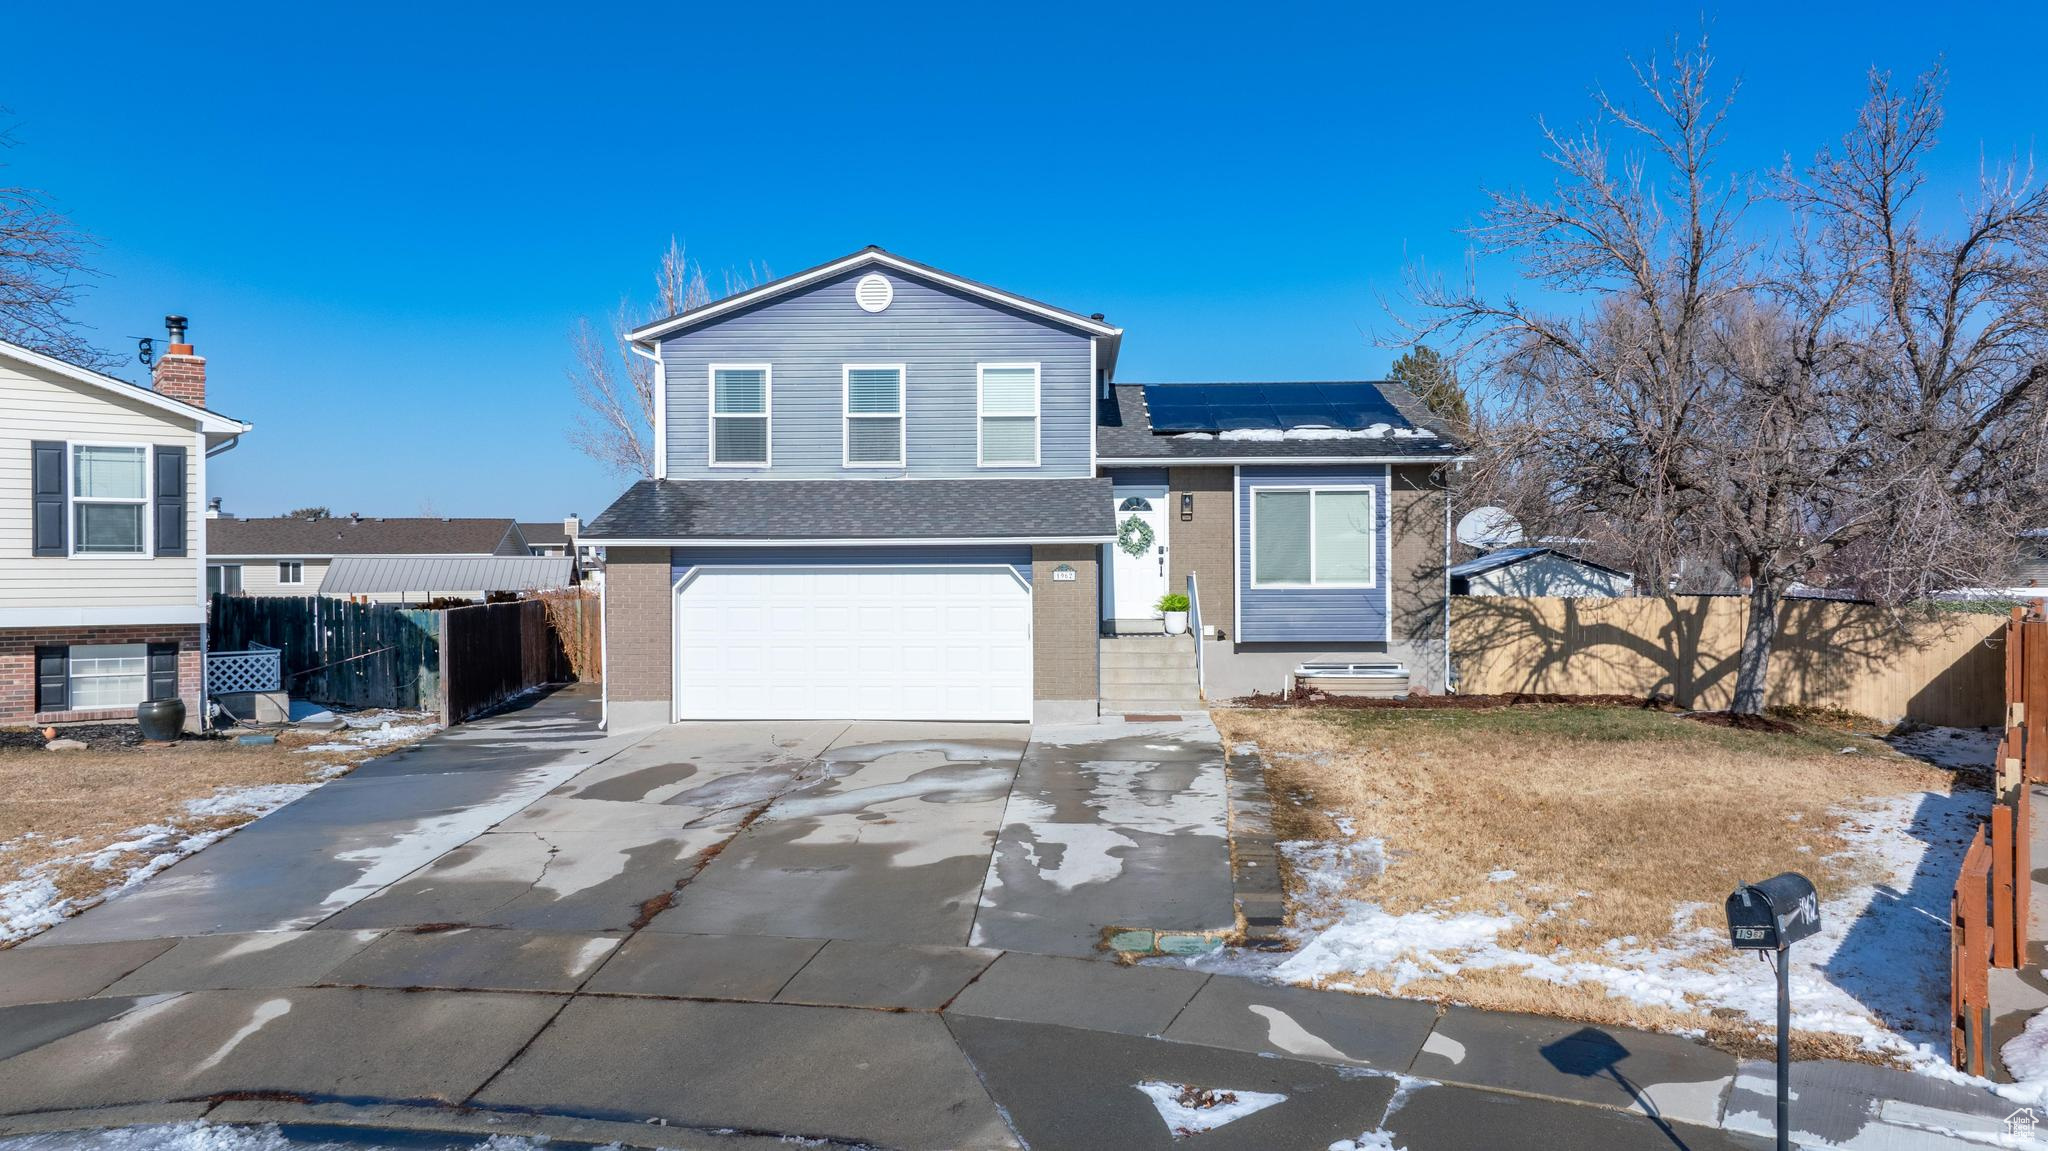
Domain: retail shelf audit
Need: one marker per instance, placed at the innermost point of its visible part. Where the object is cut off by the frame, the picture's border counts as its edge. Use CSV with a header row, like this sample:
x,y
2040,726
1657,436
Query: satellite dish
x,y
1489,527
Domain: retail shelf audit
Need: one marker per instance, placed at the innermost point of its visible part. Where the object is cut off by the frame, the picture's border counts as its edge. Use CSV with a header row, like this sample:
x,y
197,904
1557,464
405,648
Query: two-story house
x,y
886,491
102,544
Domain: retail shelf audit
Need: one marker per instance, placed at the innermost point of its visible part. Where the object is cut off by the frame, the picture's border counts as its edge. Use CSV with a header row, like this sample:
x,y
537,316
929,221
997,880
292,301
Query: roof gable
x,y
206,420
867,257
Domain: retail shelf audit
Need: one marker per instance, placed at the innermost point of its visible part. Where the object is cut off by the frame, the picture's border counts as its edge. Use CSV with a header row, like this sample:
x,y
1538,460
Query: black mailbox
x,y
1773,913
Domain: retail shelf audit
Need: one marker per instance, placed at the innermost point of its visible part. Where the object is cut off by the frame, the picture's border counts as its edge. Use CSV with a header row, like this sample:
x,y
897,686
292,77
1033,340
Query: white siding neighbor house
x,y
1538,571
287,556
102,544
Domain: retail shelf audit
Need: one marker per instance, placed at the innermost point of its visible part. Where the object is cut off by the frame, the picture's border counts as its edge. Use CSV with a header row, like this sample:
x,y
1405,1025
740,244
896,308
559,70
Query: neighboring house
x,y
288,556
552,538
1537,571
885,491
102,545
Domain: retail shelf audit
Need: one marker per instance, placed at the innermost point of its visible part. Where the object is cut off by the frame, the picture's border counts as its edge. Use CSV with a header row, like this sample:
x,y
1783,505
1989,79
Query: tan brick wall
x,y
1416,557
639,624
1206,544
18,668
1065,622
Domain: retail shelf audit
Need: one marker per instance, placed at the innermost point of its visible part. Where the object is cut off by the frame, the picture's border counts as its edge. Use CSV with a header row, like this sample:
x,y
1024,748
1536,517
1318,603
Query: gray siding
x,y
1312,615
682,560
939,335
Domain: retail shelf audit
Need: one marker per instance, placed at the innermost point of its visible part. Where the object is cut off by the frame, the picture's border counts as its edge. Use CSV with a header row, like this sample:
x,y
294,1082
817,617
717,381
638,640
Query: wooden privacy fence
x,y
1945,670
336,652
459,662
490,654
1989,909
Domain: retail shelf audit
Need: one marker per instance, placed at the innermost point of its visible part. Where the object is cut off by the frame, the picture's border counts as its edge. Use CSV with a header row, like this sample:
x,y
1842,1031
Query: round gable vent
x,y
873,292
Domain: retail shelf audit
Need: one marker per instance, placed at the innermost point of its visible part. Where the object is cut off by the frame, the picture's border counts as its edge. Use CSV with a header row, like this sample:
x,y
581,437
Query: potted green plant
x,y
1173,607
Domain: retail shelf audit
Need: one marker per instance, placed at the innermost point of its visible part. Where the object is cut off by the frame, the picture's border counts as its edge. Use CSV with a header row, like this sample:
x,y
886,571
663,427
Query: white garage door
x,y
853,643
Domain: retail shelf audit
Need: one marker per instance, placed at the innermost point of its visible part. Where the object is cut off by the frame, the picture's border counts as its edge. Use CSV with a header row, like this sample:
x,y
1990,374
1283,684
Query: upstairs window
x,y
291,572
109,488
1008,415
1313,537
874,415
739,415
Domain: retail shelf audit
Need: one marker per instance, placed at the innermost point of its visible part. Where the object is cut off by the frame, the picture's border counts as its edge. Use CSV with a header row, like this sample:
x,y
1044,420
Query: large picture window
x,y
109,495
739,415
1008,411
1314,537
874,415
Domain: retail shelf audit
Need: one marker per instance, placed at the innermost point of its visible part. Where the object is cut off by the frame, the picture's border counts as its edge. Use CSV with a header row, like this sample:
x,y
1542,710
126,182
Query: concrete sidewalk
x,y
597,1035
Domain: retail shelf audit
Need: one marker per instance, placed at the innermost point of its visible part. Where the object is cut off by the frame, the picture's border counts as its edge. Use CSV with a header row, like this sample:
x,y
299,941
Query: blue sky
x,y
383,220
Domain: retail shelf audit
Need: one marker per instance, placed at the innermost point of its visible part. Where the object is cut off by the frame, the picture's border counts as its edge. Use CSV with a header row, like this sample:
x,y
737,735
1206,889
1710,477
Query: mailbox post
x,y
1771,916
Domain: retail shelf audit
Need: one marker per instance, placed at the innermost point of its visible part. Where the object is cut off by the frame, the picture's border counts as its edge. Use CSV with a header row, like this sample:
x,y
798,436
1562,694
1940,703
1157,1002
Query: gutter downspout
x,y
225,447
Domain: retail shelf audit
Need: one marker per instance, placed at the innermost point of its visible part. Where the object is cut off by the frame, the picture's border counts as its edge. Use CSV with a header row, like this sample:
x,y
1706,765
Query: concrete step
x,y
1181,704
1178,677
1141,660
1183,640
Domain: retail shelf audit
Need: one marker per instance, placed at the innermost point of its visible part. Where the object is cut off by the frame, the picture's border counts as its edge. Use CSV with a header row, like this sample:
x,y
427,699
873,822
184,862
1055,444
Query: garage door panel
x,y
854,643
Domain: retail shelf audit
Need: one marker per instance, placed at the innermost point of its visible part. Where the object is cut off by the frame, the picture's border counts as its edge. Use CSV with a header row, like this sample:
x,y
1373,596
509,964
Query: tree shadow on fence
x,y
1685,649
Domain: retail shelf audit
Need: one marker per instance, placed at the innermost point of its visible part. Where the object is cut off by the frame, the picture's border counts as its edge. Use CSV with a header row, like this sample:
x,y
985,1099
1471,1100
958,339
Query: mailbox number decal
x,y
1807,910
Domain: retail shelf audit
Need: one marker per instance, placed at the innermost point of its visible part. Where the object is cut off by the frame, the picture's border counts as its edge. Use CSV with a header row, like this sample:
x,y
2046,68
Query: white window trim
x,y
1037,413
72,500
711,414
283,582
207,577
1372,512
847,415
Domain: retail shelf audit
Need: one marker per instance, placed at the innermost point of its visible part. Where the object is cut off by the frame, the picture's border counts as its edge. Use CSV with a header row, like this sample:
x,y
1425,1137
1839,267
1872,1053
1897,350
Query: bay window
x,y
1314,537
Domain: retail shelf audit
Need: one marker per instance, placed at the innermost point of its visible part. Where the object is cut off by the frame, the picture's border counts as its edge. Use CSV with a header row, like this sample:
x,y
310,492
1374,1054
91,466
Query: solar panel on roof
x,y
1232,407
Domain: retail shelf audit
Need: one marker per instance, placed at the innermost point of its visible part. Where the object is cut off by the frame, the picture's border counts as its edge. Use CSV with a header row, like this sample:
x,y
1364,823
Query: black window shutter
x,y
170,501
53,679
48,485
163,671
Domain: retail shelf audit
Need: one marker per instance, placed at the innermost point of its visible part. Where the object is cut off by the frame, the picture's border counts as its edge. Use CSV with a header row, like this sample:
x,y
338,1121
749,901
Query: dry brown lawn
x,y
62,805
1646,811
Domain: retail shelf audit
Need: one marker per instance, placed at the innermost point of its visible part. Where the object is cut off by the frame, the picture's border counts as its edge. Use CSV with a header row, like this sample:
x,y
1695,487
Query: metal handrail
x,y
1195,629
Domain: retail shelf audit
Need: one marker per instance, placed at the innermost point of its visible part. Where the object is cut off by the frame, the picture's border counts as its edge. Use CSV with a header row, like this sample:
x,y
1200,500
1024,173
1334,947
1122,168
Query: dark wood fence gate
x,y
336,652
491,653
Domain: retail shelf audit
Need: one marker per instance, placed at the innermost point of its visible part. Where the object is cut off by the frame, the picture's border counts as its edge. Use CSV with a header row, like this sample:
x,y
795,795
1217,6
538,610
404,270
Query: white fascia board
x,y
32,617
928,541
656,331
205,420
1270,459
236,557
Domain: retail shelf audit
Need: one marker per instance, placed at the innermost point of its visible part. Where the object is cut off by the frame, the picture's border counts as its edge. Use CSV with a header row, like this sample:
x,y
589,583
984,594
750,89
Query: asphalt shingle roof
x,y
542,534
1124,431
857,509
340,535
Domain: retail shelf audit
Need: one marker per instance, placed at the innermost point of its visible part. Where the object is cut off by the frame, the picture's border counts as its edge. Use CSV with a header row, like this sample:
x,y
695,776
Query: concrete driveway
x,y
947,834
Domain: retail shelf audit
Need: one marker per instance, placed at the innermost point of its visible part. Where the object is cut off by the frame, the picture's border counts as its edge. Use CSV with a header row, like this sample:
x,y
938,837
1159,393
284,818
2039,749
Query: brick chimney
x,y
178,373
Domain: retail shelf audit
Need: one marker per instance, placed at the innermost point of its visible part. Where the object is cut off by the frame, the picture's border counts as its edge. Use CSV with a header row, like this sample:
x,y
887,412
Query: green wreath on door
x,y
1134,537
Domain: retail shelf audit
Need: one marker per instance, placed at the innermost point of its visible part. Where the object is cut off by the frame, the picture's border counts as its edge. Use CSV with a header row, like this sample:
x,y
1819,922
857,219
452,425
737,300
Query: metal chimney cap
x,y
176,326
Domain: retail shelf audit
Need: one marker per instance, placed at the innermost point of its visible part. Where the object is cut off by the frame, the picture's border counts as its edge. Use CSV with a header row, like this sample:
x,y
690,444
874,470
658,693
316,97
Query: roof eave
x,y
648,335
208,421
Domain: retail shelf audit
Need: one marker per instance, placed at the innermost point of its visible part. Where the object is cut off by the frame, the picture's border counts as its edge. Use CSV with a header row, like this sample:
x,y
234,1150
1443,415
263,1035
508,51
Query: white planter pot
x,y
1176,622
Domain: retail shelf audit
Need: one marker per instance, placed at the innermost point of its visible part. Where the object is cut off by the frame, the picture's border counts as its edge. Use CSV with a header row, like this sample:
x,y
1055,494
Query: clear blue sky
x,y
383,220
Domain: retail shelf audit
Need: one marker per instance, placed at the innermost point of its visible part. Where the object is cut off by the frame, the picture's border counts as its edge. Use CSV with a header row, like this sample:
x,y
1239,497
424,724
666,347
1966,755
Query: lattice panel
x,y
232,671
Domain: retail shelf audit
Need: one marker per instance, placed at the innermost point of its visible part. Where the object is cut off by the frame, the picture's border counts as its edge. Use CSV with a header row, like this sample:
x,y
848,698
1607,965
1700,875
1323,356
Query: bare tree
x,y
1850,399
43,262
615,384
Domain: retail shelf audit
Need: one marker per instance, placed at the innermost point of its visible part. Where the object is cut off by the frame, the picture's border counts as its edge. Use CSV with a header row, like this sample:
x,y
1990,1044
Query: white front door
x,y
853,643
1137,560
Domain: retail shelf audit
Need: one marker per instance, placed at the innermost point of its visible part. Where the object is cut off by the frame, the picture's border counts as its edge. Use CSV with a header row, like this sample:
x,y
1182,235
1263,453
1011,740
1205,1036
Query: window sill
x,y
97,716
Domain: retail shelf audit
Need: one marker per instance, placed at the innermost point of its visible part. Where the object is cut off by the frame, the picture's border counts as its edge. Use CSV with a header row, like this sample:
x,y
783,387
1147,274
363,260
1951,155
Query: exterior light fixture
x,y
1187,505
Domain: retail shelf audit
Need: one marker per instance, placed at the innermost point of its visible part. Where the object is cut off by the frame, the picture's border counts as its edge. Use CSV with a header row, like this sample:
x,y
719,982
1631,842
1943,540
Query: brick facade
x,y
1205,544
1415,605
18,669
639,625
1066,622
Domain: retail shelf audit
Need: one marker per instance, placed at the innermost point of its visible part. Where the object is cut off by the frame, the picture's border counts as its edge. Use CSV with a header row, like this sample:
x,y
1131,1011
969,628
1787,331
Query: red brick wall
x,y
18,668
181,375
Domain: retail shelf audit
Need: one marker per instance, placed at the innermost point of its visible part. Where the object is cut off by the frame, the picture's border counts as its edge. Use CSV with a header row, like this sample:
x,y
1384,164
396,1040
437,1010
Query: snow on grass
x,y
35,903
1950,747
1189,1110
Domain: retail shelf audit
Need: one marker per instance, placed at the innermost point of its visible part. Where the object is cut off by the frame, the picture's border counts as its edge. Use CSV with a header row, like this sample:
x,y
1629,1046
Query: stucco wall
x,y
1064,623
1415,528
639,625
1203,544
